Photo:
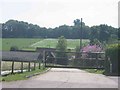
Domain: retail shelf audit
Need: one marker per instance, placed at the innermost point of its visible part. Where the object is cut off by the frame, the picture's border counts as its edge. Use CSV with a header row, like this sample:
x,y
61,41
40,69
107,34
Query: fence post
x,y
21,67
44,63
39,65
97,60
34,65
110,65
0,67
29,67
12,67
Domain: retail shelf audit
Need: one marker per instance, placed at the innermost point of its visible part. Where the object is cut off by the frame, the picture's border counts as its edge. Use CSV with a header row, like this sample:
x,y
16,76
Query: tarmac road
x,y
65,78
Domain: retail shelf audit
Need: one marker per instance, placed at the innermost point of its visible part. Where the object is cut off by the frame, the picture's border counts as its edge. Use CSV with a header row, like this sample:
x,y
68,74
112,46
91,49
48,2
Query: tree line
x,y
20,29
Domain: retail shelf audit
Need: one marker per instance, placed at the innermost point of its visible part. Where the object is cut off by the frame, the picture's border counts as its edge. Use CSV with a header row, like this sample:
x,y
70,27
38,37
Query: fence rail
x,y
75,59
22,57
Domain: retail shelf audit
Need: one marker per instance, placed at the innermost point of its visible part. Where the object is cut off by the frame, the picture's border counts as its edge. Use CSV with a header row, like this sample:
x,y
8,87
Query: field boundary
x,y
35,43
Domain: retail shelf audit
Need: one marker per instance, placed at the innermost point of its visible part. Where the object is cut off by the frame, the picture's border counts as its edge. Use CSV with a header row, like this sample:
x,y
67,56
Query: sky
x,y
53,13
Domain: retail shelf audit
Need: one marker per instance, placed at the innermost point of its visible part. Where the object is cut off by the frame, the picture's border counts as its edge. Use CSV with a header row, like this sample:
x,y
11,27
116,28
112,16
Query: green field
x,y
21,43
31,44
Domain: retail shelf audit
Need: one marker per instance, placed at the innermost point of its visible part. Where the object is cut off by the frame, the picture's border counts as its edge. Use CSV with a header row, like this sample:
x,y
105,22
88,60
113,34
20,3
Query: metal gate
x,y
91,60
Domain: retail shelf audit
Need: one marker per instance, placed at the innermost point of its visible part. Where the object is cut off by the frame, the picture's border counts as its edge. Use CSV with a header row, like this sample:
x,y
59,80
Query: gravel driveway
x,y
65,78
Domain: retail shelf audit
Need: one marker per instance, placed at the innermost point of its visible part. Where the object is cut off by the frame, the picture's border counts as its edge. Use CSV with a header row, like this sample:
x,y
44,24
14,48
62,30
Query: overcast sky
x,y
52,13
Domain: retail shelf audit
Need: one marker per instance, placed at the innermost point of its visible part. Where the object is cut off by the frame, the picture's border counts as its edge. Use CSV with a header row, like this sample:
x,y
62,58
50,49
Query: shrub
x,y
14,48
112,52
62,48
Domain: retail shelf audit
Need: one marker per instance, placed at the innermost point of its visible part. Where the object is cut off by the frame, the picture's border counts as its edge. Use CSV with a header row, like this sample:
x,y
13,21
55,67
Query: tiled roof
x,y
20,56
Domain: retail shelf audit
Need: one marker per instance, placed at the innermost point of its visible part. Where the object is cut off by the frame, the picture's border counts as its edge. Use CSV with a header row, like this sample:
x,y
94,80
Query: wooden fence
x,y
22,57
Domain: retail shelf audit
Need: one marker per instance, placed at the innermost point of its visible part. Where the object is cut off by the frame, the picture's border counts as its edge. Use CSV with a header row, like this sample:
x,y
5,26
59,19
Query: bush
x,y
14,48
62,48
112,52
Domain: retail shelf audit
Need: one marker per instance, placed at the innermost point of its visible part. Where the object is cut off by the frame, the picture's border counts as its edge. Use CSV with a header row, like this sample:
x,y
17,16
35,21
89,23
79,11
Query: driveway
x,y
65,78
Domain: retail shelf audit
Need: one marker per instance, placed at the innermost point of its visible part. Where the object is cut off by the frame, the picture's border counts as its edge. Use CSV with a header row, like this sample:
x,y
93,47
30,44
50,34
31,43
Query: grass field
x,y
31,44
21,43
71,43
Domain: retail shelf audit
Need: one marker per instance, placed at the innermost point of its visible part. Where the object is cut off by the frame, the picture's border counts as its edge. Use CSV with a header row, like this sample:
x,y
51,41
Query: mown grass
x,y
21,43
71,43
32,43
96,71
21,76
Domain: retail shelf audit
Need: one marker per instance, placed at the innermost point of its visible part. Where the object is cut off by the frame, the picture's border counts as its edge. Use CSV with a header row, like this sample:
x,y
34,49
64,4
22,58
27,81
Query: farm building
x,y
20,56
38,49
16,56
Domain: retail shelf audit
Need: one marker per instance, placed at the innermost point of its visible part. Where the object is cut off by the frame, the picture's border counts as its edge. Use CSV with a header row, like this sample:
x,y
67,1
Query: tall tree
x,y
61,48
20,29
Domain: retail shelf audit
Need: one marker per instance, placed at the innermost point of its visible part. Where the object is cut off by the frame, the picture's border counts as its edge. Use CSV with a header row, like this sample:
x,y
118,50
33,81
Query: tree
x,y
104,33
14,48
20,29
94,34
77,22
119,33
95,42
62,48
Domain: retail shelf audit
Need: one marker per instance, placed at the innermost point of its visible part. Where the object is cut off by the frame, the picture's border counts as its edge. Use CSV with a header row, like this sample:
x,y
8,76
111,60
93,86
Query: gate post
x,y
45,59
110,65
34,65
97,60
29,67
12,67
21,67
39,65
44,62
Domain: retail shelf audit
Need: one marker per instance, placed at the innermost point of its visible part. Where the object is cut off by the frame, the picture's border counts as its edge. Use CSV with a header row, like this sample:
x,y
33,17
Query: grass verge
x,y
96,71
21,76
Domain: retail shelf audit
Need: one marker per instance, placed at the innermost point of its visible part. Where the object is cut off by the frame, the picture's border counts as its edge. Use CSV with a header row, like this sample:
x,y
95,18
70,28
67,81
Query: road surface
x,y
65,78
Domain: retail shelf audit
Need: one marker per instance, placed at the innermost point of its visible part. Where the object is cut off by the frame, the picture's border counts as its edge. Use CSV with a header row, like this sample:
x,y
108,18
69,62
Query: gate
x,y
91,60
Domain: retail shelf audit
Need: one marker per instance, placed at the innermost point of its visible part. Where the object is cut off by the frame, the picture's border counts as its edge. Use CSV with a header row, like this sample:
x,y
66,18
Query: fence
x,y
22,57
93,60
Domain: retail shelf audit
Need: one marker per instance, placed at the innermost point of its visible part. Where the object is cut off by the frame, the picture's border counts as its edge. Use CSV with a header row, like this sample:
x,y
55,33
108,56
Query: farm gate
x,y
56,59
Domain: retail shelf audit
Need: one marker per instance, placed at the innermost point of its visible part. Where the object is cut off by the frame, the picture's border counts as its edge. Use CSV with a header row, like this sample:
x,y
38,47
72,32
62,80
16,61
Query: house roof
x,y
38,49
92,48
20,56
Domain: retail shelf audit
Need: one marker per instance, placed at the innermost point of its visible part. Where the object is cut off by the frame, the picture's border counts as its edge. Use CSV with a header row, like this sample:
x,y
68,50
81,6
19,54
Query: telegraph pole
x,y
81,35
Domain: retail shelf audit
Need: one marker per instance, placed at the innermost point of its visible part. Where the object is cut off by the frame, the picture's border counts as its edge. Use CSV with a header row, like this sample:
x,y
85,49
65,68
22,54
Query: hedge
x,y
112,52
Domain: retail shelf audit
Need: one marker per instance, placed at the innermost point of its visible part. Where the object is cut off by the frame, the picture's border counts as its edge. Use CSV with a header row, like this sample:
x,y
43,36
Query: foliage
x,y
20,29
96,71
103,33
61,48
14,48
77,49
112,52
92,48
119,33
95,42
62,44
